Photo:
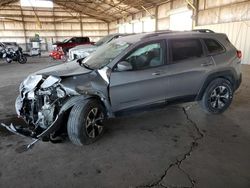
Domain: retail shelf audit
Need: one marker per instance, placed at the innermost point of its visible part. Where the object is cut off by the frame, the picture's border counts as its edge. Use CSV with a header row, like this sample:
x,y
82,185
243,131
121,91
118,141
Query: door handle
x,y
156,73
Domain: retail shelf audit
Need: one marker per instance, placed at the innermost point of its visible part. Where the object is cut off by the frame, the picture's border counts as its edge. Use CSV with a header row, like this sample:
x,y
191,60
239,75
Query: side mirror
x,y
124,66
79,61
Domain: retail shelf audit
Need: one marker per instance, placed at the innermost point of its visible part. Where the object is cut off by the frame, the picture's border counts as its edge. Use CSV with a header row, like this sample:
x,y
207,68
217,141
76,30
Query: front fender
x,y
72,101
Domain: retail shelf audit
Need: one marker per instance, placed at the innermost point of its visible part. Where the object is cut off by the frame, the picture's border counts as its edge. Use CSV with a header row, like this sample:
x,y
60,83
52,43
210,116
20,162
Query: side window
x,y
183,49
213,46
146,57
78,40
83,39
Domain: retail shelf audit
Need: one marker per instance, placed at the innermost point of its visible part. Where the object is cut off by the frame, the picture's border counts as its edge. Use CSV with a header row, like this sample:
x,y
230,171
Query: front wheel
x,y
218,96
8,60
85,123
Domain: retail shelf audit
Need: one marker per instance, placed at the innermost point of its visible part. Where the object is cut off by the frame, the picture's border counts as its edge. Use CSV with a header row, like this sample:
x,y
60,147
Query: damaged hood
x,y
67,69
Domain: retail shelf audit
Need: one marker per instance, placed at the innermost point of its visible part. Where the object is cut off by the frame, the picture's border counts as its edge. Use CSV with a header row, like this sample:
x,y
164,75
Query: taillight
x,y
239,54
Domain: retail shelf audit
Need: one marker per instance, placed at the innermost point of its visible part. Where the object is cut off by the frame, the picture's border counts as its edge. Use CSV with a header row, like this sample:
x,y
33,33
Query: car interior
x,y
146,57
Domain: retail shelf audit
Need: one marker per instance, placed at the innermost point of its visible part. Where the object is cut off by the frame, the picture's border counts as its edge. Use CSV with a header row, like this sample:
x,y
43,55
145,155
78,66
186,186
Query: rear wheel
x,y
22,59
218,96
85,123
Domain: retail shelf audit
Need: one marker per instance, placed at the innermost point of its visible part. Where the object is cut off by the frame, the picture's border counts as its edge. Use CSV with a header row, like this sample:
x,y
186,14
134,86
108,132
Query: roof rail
x,y
156,33
203,30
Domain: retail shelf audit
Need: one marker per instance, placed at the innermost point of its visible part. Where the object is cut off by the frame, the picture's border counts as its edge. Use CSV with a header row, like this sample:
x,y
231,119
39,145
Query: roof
x,y
106,10
167,33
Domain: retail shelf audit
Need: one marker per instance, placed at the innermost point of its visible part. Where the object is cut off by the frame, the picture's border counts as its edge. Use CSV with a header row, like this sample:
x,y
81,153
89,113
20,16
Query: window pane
x,y
213,46
186,49
146,57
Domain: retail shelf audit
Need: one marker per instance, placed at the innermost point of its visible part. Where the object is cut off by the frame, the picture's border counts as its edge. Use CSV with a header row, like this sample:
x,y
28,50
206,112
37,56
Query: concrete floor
x,y
179,146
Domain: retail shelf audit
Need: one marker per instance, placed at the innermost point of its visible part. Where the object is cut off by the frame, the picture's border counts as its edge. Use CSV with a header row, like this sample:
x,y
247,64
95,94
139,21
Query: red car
x,y
72,42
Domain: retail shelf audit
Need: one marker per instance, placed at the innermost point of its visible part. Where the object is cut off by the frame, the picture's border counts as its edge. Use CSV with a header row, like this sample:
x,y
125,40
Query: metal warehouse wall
x,y
230,17
19,25
238,33
160,17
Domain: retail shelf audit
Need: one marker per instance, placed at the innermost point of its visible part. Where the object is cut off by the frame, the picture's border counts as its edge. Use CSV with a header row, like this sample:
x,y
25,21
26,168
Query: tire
x,y
217,97
22,60
7,60
82,127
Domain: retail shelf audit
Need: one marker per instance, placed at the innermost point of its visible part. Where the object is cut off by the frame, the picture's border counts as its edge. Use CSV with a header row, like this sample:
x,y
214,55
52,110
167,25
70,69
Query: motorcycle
x,y
11,54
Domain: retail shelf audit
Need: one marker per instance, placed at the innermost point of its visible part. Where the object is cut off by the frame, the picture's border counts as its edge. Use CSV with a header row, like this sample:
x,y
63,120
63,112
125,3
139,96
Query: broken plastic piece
x,y
20,132
32,143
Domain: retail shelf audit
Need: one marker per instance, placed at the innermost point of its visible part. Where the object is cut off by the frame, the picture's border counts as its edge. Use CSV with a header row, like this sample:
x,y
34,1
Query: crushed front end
x,y
39,104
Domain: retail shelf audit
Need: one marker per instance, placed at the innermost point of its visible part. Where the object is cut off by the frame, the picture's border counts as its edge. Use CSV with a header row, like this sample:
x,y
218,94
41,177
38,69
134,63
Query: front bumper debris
x,y
25,132
21,132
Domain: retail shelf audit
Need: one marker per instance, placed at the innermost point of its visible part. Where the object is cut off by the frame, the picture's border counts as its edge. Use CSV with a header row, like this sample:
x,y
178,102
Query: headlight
x,y
60,93
30,82
50,81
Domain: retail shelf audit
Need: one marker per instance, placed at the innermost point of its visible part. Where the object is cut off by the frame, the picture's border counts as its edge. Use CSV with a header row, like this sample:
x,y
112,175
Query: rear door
x,y
188,65
145,84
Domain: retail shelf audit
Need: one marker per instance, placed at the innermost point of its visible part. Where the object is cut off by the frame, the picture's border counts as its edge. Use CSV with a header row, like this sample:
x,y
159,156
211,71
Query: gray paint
x,y
156,85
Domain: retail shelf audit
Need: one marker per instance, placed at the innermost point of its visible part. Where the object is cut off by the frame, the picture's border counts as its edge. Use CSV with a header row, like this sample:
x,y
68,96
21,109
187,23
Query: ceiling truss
x,y
105,10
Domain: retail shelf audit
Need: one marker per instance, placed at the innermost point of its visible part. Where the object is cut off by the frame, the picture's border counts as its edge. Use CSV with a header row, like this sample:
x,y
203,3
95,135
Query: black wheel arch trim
x,y
229,75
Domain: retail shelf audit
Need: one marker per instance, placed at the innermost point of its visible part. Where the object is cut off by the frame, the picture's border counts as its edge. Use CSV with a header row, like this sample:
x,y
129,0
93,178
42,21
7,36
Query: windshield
x,y
105,54
65,40
103,40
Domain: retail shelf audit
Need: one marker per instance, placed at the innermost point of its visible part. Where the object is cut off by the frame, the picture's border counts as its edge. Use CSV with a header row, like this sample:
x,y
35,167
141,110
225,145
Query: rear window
x,y
183,49
213,46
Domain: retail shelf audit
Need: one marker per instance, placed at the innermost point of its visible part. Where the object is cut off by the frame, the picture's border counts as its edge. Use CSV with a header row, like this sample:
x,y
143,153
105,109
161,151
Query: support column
x,y
108,28
54,22
80,15
24,30
156,18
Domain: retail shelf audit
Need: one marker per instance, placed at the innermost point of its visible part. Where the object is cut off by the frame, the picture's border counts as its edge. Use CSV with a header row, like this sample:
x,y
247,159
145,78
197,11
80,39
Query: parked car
x,y
83,51
127,75
72,42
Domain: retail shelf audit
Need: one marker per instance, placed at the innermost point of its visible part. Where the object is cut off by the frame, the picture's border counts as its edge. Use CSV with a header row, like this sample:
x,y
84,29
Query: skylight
x,y
37,3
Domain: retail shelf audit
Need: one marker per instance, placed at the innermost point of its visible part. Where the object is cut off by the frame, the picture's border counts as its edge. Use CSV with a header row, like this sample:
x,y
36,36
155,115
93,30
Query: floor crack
x,y
180,161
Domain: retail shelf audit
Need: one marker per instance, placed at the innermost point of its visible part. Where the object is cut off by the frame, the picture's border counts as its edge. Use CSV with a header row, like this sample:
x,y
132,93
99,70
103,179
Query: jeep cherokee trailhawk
x,y
129,74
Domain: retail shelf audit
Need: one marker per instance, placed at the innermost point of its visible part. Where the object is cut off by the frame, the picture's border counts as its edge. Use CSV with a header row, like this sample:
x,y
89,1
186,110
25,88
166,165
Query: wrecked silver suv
x,y
132,73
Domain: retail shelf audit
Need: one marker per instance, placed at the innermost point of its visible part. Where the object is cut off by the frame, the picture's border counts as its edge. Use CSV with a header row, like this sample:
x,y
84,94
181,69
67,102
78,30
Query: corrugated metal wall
x,y
19,25
160,21
230,17
238,33
163,16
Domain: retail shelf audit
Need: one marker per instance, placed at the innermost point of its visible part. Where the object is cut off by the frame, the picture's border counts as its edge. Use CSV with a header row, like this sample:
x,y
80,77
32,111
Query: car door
x,y
145,84
187,68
